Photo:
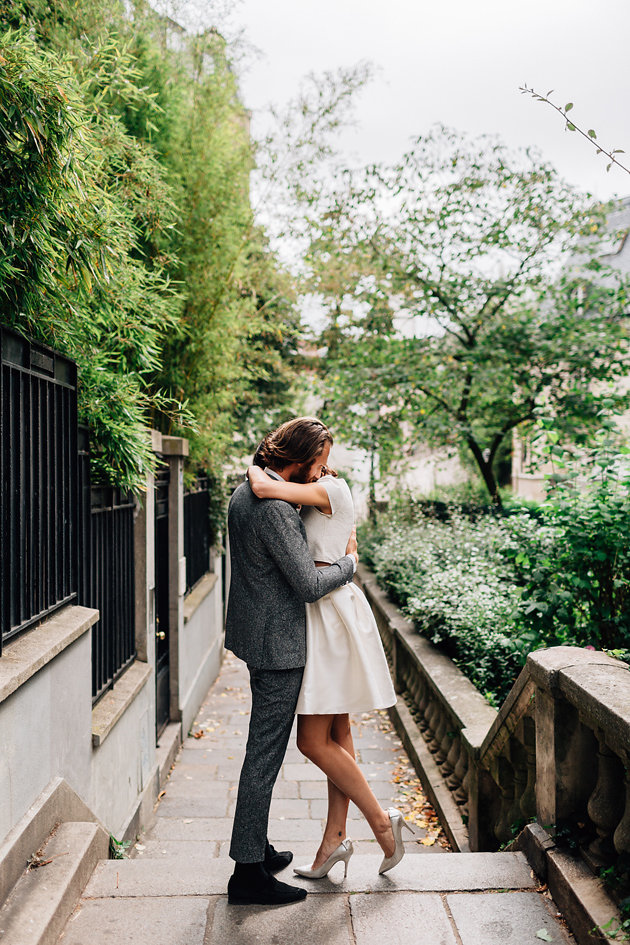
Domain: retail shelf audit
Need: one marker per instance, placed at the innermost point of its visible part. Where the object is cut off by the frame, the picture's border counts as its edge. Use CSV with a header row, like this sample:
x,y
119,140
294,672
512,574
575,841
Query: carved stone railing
x,y
557,751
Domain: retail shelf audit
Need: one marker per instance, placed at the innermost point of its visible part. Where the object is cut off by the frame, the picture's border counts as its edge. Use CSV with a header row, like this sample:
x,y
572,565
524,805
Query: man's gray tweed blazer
x,y
272,576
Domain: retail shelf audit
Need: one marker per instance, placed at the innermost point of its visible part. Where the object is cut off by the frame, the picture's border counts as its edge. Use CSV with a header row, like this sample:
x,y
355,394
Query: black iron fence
x,y
107,578
197,531
63,540
38,482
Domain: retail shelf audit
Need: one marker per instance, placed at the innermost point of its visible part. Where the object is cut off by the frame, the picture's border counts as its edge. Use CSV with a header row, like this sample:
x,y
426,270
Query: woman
x,y
346,671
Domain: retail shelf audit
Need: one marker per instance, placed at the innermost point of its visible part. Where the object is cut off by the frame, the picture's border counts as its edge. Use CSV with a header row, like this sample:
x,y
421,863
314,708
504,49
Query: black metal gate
x,y
162,680
197,531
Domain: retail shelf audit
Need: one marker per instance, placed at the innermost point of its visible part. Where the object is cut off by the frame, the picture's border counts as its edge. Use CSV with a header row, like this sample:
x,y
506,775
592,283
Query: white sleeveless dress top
x,y
346,669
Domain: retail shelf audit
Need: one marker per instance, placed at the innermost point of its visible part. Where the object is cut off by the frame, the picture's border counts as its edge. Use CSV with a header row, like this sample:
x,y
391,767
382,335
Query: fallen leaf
x,y
544,935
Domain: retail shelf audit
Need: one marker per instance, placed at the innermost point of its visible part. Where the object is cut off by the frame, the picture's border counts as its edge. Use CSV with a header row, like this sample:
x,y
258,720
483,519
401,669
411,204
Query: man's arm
x,y
279,529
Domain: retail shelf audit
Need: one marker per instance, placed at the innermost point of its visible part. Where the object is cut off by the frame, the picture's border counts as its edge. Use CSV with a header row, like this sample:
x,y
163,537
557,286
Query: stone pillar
x,y
606,804
396,671
144,556
546,808
174,451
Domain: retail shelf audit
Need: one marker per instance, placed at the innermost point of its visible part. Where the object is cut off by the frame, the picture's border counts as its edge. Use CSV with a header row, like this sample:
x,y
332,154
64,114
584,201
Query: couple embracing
x,y
312,647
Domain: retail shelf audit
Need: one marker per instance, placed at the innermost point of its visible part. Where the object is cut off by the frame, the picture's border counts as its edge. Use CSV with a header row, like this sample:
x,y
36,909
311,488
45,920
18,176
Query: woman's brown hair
x,y
297,441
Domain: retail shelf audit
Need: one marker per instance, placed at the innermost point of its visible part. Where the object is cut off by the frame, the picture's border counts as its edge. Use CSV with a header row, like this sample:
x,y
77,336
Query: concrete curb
x,y
430,776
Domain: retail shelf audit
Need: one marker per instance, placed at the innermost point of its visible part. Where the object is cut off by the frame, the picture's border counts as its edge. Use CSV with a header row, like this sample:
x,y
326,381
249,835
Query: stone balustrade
x,y
557,751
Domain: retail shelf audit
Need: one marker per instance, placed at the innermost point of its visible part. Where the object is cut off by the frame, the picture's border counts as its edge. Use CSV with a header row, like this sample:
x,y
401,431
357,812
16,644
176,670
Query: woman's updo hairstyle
x,y
297,441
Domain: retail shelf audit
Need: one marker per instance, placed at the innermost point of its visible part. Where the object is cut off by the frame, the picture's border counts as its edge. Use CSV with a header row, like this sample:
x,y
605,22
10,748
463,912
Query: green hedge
x,y
490,588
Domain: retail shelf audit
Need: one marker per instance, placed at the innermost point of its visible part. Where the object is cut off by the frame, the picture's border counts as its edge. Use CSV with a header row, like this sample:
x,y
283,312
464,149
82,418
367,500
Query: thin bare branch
x,y
571,126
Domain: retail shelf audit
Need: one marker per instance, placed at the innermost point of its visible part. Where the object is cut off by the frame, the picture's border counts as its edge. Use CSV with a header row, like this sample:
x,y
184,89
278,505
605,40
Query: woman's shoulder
x,y
336,482
330,478
339,489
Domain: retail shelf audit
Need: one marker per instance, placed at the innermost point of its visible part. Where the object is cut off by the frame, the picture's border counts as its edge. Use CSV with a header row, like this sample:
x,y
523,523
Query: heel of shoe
x,y
397,820
335,857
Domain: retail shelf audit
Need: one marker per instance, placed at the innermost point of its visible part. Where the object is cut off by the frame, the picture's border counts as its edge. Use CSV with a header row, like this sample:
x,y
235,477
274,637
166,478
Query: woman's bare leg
x,y
315,740
337,814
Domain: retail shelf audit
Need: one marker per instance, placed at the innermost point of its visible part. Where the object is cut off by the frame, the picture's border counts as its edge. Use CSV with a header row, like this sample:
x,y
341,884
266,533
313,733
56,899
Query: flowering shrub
x,y
453,581
490,589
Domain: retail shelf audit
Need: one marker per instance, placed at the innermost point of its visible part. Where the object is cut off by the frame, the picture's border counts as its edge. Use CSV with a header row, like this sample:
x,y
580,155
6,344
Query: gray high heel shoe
x,y
343,852
398,822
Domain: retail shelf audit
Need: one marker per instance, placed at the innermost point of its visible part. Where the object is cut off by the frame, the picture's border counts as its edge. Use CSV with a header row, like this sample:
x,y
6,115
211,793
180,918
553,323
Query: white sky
x,y
460,63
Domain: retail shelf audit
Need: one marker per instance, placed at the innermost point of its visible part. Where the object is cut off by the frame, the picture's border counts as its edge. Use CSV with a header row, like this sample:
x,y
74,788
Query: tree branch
x,y
571,126
463,404
505,429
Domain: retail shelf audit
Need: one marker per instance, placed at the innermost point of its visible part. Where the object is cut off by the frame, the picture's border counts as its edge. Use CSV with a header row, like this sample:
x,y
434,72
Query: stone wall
x,y
108,754
557,751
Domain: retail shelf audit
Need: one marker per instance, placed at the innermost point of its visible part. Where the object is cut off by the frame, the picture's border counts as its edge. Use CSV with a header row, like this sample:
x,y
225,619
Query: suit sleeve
x,y
279,530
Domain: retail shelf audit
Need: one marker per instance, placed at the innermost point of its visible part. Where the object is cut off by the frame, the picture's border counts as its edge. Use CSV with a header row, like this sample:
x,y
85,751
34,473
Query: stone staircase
x,y
39,902
171,889
461,899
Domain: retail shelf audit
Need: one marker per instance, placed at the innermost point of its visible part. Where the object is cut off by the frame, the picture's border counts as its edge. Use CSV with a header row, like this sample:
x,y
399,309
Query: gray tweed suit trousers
x,y
272,576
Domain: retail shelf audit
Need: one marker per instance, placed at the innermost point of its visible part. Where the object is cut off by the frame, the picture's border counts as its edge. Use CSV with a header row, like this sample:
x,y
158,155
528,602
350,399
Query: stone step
x,y
41,901
196,875
395,918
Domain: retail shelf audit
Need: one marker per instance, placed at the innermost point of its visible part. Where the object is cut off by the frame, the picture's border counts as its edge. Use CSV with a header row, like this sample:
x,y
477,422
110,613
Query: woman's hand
x,y
352,547
257,479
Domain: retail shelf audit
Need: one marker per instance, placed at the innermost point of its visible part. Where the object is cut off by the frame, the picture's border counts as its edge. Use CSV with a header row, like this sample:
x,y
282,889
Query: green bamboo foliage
x,y
126,235
70,256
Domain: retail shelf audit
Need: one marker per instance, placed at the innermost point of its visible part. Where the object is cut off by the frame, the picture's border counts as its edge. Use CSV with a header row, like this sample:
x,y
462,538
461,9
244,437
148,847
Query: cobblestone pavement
x,y
171,889
199,797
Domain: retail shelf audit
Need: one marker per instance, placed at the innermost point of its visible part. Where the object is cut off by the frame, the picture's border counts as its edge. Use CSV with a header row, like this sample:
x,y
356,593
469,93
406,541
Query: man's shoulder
x,y
275,510
244,501
241,495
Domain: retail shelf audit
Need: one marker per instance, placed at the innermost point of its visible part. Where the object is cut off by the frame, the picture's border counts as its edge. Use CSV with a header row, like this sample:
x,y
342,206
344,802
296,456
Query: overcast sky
x,y
460,63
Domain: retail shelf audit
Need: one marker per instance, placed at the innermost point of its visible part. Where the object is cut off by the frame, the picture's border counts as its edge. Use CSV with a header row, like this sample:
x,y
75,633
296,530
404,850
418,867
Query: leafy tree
x,y
475,249
127,236
575,568
371,366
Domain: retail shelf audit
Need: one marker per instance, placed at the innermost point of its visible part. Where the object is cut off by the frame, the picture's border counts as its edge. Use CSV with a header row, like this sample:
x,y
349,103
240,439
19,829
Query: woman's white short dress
x,y
346,669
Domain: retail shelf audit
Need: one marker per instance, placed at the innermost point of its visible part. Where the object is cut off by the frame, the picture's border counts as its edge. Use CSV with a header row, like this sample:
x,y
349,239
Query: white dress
x,y
346,669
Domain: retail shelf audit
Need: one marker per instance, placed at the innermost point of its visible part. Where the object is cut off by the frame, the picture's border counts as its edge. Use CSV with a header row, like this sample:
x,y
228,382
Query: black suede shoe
x,y
276,860
255,886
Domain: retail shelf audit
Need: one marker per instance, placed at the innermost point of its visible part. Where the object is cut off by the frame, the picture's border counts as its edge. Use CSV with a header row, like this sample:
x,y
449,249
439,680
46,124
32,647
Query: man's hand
x,y
351,547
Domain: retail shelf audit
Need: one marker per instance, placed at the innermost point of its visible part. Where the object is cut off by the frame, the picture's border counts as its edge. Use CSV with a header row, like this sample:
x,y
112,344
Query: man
x,y
272,576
